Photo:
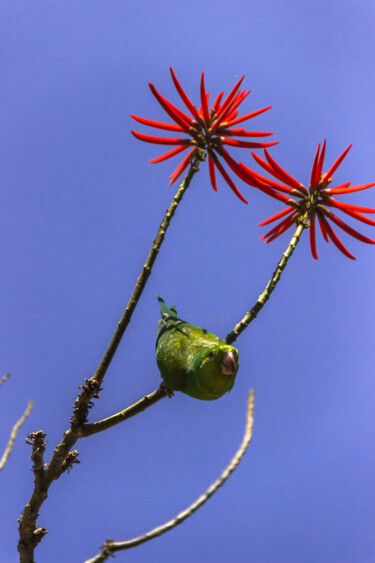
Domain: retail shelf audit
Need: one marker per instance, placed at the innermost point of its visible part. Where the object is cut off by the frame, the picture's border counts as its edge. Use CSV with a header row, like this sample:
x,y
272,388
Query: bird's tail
x,y
172,312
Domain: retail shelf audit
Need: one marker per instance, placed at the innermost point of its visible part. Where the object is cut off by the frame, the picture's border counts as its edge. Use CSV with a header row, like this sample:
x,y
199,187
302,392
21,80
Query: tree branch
x,y
15,429
139,406
263,298
111,547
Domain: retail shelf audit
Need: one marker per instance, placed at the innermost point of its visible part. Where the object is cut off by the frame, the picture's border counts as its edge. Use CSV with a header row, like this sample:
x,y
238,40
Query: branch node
x,y
68,462
84,401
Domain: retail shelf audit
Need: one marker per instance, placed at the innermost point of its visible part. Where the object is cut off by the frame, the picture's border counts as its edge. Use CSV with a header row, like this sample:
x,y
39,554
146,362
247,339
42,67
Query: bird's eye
x,y
211,356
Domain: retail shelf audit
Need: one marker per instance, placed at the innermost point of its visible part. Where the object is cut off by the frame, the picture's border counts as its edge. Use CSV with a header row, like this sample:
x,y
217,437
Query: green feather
x,y
193,360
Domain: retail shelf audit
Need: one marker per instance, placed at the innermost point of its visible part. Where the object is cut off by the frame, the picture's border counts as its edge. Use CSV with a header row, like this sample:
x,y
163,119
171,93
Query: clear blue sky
x,y
79,206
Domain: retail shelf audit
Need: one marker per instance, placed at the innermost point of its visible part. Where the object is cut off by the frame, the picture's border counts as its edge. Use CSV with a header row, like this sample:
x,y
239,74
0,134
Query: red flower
x,y
309,204
206,129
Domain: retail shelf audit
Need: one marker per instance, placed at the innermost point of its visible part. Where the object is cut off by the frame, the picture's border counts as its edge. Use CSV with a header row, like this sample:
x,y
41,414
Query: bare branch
x,y
139,406
111,547
14,432
4,378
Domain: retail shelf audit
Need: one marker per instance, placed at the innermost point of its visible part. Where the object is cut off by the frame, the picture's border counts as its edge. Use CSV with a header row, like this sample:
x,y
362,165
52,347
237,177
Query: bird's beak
x,y
228,365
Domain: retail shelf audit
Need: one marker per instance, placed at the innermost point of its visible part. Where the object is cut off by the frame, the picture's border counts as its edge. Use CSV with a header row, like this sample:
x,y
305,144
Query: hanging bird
x,y
193,360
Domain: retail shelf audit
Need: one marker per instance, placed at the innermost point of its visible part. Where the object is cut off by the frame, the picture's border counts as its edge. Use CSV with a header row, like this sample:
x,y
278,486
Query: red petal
x,y
177,115
343,190
336,164
246,144
211,168
335,239
247,116
158,124
229,181
359,217
181,167
322,228
346,228
313,178
243,133
321,161
276,216
184,97
341,205
168,154
280,172
313,239
230,97
216,103
283,226
256,180
206,113
160,140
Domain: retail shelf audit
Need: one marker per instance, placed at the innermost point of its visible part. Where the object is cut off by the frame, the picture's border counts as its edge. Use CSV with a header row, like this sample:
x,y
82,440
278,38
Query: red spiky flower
x,y
310,204
208,129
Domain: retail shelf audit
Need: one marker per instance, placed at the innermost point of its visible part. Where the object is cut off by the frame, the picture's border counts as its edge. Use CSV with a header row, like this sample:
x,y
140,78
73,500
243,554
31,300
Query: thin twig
x,y
139,406
263,298
13,434
4,378
111,547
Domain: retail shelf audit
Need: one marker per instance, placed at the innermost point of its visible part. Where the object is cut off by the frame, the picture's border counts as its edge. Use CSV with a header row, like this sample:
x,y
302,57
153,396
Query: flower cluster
x,y
208,129
309,205
212,129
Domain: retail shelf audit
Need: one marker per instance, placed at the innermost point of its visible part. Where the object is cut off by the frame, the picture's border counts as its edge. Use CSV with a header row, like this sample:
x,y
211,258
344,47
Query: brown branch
x,y
15,429
111,547
4,378
141,405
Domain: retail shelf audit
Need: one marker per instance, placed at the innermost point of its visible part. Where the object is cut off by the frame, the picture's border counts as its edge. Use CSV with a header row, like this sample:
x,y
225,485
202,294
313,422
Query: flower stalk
x,y
263,298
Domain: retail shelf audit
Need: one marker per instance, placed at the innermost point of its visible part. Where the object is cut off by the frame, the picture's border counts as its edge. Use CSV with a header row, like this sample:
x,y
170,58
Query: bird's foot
x,y
166,390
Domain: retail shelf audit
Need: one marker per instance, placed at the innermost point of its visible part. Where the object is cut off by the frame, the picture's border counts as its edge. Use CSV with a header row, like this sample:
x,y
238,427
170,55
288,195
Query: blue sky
x,y
79,207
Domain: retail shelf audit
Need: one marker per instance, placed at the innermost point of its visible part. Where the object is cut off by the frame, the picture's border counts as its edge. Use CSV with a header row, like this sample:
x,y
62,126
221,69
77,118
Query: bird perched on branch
x,y
193,360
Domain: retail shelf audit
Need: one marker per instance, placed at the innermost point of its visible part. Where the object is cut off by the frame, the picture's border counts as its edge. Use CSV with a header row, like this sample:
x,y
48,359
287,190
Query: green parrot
x,y
193,360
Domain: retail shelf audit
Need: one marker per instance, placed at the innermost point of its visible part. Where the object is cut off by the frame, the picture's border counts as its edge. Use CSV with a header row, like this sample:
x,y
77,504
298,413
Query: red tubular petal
x,y
184,97
313,239
230,96
181,167
160,140
347,229
211,169
280,172
206,113
341,205
336,164
177,115
335,239
246,144
229,181
230,112
322,228
168,154
158,124
243,133
263,163
284,226
278,227
343,190
313,178
216,103
359,217
254,179
321,161
276,216
247,116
